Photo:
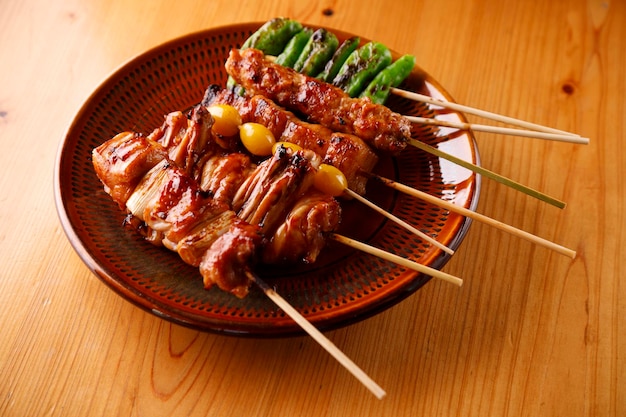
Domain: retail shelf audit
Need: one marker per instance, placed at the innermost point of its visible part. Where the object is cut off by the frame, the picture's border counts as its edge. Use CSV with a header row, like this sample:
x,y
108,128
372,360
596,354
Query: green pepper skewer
x,y
316,53
293,50
379,88
361,67
339,57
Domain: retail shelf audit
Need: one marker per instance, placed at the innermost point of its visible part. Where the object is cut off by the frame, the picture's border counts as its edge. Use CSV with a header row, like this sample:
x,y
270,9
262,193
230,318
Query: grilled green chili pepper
x,y
361,66
339,57
318,50
379,88
294,48
272,37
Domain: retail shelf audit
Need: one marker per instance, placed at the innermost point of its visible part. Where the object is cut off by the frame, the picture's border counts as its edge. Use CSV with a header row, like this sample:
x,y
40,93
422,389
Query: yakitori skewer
x,y
390,132
318,336
477,112
560,137
476,216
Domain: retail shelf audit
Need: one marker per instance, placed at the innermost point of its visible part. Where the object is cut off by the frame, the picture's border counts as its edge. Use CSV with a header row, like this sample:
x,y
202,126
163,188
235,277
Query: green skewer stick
x,y
489,174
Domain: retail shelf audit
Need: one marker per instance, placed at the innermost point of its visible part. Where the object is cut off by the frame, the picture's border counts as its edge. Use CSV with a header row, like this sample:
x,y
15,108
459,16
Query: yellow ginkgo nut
x,y
226,119
330,180
257,138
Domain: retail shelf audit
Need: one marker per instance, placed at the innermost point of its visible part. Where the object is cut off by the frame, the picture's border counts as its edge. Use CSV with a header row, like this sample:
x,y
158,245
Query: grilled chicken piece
x,y
273,188
187,139
223,175
348,153
226,262
301,237
169,201
319,101
214,223
122,161
207,158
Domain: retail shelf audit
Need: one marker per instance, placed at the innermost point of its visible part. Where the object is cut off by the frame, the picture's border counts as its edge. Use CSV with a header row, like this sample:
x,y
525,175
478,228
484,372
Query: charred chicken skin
x,y
211,160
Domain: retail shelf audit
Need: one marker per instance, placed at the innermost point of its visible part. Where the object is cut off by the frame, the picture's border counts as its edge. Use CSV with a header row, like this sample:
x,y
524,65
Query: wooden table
x,y
530,333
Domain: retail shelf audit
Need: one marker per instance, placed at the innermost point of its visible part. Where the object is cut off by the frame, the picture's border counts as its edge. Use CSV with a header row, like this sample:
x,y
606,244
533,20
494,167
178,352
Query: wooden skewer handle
x,y
501,130
322,340
488,174
396,259
477,112
478,217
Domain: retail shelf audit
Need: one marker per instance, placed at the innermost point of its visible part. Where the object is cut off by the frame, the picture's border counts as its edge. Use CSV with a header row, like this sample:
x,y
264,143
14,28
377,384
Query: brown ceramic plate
x,y
344,286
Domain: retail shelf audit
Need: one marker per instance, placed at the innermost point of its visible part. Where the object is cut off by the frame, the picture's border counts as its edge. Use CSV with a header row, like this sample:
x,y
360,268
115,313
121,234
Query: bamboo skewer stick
x,y
476,216
435,273
477,112
488,174
399,221
322,340
561,137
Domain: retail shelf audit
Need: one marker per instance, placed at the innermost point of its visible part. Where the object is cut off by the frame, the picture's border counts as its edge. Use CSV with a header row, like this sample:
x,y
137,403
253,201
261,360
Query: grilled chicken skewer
x,y
139,176
329,105
323,103
162,199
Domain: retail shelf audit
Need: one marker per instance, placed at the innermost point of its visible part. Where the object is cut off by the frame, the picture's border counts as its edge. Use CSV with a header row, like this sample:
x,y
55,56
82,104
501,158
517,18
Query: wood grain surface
x,y
530,333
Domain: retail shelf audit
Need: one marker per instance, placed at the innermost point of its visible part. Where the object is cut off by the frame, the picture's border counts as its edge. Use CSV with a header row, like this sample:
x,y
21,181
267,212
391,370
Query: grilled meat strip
x,y
321,102
346,152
